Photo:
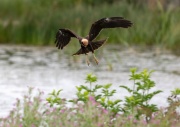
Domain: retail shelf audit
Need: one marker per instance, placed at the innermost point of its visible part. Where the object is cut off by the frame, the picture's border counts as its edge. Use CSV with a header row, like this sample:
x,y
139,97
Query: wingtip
x,y
130,24
127,24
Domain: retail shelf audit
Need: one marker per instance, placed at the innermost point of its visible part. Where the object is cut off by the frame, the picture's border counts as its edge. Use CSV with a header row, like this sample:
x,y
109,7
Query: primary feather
x,y
63,37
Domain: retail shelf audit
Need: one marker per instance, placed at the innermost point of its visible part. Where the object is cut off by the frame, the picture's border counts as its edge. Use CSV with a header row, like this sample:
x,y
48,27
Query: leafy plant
x,y
95,107
174,100
138,101
55,100
102,97
107,102
84,92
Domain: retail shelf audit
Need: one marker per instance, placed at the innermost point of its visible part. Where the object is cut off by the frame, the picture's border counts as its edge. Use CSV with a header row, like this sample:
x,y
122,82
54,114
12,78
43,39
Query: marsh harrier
x,y
87,44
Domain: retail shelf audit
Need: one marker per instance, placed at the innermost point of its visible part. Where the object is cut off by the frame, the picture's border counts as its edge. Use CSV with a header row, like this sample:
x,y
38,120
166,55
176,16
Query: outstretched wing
x,y
63,37
111,22
95,45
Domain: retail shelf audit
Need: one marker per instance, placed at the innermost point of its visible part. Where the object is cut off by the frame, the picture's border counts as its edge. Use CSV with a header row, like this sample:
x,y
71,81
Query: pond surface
x,y
47,68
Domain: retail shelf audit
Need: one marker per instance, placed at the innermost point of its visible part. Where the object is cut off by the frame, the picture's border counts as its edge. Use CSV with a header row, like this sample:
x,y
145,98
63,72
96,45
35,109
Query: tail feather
x,y
98,44
82,51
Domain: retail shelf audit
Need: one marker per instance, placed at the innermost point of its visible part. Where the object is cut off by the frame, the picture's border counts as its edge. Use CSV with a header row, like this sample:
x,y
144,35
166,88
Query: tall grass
x,y
36,22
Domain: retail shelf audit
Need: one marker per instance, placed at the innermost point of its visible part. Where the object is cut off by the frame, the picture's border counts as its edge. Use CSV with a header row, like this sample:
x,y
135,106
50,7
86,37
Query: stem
x,y
90,87
143,93
134,87
147,100
133,95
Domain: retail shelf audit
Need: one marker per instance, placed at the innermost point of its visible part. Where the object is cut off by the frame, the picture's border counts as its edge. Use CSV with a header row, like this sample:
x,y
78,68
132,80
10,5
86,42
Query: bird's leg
x,y
92,50
96,60
87,60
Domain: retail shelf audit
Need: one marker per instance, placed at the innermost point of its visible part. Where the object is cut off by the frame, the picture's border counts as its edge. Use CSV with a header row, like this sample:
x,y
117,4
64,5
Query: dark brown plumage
x,y
63,36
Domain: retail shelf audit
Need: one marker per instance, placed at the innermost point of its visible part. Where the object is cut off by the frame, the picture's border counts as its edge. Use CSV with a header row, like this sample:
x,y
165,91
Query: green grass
x,y
36,22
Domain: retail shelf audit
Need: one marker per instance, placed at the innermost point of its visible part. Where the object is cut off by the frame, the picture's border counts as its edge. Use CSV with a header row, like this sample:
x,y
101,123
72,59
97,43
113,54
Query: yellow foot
x,y
97,62
88,63
87,60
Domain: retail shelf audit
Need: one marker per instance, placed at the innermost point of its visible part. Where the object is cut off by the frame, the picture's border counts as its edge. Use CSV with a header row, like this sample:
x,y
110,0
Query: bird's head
x,y
84,42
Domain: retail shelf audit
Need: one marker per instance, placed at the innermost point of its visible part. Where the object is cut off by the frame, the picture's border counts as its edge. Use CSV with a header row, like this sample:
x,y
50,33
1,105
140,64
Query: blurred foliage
x,y
36,21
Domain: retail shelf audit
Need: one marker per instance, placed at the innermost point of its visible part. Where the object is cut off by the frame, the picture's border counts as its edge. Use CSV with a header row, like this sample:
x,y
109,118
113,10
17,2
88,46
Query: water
x,y
48,68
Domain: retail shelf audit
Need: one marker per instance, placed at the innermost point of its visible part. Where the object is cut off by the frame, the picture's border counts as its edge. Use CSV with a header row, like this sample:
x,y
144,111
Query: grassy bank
x,y
36,22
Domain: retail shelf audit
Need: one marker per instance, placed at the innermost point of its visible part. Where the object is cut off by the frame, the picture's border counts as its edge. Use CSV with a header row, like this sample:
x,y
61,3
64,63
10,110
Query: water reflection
x,y
48,69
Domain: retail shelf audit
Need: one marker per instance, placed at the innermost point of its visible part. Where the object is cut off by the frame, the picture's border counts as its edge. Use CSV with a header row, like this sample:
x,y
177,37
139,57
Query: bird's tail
x,y
82,51
97,44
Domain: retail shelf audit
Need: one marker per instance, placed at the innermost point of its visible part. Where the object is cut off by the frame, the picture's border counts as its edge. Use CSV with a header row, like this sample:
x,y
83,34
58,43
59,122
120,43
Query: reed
x,y
36,22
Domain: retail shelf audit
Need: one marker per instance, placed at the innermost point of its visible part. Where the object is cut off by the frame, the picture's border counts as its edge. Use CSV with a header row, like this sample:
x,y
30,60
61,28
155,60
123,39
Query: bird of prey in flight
x,y
87,43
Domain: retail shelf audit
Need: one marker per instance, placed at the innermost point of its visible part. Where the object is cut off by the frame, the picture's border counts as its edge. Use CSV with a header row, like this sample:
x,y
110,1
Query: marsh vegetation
x,y
97,109
36,22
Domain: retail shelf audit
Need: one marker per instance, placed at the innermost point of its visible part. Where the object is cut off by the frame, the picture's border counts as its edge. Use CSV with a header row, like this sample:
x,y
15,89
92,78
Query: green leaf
x,y
103,99
107,86
127,88
84,87
97,97
78,88
58,92
112,92
117,101
53,92
49,99
133,70
91,78
98,86
150,95
110,102
105,91
135,77
176,91
86,93
73,101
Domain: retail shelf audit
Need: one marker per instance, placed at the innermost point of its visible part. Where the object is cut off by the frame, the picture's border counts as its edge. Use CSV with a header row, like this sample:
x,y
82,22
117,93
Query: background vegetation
x,y
156,22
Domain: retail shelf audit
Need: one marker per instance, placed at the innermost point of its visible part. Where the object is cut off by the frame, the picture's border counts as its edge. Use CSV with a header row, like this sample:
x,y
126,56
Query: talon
x,y
87,60
88,63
